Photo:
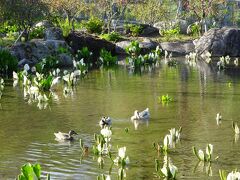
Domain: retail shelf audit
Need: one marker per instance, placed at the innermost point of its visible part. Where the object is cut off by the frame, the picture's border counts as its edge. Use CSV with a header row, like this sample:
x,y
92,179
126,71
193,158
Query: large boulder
x,y
34,51
178,48
149,30
145,44
219,42
53,33
79,39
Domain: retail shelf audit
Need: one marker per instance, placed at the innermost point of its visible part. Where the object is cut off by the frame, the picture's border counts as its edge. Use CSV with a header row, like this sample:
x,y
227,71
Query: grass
x,y
178,38
6,42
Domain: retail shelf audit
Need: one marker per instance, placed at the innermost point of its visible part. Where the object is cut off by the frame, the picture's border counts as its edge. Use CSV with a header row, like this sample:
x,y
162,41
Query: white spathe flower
x,y
15,76
201,154
106,132
233,176
108,177
127,160
26,67
55,81
122,152
165,171
173,169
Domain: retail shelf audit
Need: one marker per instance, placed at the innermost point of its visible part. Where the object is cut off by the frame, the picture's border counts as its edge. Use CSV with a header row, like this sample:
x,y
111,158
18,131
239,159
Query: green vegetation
x,y
113,36
47,64
133,29
8,63
30,172
94,25
107,59
37,33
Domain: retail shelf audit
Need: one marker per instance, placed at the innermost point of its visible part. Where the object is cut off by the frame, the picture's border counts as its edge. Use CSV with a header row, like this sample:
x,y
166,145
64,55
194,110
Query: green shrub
x,y
29,171
171,32
8,63
134,29
7,28
37,33
85,54
47,64
107,58
94,25
114,36
133,49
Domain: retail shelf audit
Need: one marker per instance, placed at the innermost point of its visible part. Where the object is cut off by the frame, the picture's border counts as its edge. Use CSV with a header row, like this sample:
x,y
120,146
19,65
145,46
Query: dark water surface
x,y
26,133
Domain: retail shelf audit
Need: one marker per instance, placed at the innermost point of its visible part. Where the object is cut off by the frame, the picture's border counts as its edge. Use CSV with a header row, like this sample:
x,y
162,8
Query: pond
x,y
26,133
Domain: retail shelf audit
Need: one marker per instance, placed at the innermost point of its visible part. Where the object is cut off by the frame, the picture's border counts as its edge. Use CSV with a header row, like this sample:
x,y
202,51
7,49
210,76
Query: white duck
x,y
141,115
105,121
65,136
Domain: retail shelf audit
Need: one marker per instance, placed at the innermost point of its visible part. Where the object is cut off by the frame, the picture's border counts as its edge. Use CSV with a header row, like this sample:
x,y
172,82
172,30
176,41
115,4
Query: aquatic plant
x,y
175,134
234,175
47,64
113,36
207,157
235,127
84,54
168,171
107,133
122,158
165,98
30,172
8,63
106,58
133,49
80,67
104,177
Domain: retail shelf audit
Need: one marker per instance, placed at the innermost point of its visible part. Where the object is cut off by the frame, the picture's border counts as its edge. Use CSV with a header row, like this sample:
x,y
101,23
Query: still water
x,y
26,133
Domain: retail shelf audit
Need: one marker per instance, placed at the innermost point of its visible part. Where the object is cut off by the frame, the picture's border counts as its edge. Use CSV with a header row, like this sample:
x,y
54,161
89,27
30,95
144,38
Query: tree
x,y
204,9
150,11
23,13
69,8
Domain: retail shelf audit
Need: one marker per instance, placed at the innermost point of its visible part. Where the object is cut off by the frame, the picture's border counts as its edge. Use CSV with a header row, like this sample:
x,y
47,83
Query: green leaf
x,y
27,171
222,174
37,170
48,176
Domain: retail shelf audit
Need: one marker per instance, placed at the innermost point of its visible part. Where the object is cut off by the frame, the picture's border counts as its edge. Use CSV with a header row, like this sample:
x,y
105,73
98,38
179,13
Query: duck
x,y
141,115
105,121
65,136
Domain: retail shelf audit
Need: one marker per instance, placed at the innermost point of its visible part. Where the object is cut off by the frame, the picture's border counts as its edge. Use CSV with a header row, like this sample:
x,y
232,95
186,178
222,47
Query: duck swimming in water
x,y
145,114
105,121
65,136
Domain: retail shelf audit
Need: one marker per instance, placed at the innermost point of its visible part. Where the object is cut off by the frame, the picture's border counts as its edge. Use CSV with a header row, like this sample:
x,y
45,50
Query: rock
x,y
53,33
36,50
149,30
220,42
65,60
146,46
44,24
79,39
24,61
178,48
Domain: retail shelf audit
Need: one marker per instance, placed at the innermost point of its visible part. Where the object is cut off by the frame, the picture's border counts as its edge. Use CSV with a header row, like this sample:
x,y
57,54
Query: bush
x,y
171,32
85,54
47,64
107,58
134,29
114,36
94,25
37,33
7,28
133,49
8,63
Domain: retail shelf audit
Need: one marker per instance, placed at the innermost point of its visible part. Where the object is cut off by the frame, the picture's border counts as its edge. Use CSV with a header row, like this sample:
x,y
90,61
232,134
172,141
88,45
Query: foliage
x,y
195,29
8,63
234,175
6,27
30,172
84,54
206,157
107,58
134,29
66,25
168,171
37,33
113,36
133,49
165,98
150,11
47,64
94,25
171,32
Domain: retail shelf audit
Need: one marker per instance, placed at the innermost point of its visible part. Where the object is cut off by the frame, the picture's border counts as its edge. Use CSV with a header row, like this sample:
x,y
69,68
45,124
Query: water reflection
x,y
136,123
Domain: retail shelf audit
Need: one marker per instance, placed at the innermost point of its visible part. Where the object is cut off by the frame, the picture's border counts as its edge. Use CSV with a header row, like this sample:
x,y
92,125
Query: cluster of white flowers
x,y
207,157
